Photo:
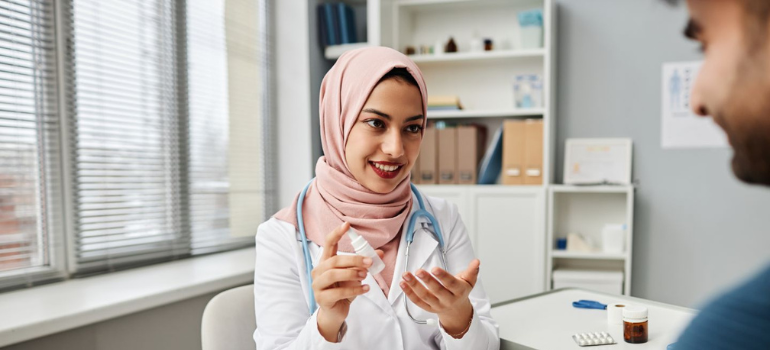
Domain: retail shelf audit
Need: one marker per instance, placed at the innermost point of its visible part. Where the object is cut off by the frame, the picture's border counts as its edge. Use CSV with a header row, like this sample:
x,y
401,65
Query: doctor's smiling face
x,y
733,85
384,142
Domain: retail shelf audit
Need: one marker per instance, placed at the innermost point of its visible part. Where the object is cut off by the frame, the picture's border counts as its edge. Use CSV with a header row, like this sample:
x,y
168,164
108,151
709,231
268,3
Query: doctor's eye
x,y
375,123
415,128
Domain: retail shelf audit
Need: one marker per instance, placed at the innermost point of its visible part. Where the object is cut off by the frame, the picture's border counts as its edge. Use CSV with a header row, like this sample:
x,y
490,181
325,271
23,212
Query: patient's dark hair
x,y
400,74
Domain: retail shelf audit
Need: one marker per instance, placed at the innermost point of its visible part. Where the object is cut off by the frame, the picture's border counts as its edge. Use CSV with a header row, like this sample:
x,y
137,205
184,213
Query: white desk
x,y
547,321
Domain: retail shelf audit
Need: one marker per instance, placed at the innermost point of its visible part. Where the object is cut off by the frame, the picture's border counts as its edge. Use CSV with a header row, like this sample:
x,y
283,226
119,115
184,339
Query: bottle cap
x,y
636,313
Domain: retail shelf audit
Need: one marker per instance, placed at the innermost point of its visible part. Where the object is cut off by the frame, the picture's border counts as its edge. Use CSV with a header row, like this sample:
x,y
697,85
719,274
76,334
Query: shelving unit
x,y
513,113
477,56
585,210
506,223
511,227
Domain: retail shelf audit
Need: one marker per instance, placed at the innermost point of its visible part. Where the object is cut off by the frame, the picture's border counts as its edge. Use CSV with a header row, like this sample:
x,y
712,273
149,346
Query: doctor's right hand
x,y
336,283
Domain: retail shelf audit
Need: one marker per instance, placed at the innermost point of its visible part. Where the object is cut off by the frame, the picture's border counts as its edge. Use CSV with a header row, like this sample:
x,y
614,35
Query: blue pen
x,y
589,304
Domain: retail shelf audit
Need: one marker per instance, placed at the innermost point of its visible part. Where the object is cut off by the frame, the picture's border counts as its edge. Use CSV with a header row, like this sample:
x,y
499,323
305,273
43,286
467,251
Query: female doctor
x,y
372,110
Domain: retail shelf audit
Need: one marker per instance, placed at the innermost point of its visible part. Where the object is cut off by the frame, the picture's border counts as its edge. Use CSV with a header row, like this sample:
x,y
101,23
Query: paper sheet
x,y
681,128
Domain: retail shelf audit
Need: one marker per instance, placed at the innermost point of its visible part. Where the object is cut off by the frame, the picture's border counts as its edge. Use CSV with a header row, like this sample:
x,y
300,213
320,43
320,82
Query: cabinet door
x,y
459,196
510,241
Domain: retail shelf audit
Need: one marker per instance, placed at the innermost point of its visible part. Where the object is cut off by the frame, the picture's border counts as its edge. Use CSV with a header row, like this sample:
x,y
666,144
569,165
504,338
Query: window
x,y
29,143
160,132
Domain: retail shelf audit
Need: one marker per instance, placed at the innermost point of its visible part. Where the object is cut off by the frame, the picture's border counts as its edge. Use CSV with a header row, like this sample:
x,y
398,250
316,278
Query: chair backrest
x,y
228,320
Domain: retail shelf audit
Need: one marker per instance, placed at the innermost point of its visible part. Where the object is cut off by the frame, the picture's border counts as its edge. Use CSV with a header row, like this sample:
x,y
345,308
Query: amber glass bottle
x,y
635,324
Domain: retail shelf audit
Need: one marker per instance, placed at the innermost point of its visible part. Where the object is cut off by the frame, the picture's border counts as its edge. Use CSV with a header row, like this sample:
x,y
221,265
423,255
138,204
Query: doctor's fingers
x,y
416,299
330,243
344,262
329,297
471,274
421,291
330,277
455,285
433,285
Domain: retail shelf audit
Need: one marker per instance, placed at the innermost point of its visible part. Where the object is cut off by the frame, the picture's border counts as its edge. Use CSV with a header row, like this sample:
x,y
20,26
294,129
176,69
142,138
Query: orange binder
x,y
427,160
447,155
514,142
533,154
469,143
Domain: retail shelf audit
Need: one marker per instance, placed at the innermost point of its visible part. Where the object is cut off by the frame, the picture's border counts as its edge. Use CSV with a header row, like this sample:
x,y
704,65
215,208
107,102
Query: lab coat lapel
x,y
420,251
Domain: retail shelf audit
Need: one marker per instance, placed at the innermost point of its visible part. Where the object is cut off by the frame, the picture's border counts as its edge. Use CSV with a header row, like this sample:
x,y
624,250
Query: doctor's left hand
x,y
445,295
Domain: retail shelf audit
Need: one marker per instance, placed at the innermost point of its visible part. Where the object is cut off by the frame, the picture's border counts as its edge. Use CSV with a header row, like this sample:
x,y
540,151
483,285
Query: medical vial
x,y
363,248
635,327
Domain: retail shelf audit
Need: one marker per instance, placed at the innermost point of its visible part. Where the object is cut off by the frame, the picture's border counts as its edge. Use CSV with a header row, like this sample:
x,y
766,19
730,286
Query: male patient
x,y
733,87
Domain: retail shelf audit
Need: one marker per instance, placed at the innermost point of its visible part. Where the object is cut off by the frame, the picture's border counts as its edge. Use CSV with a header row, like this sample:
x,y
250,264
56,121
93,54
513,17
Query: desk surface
x,y
548,321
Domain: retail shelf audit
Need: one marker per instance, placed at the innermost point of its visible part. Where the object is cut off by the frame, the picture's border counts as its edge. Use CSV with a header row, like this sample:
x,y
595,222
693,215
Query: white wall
x,y
292,79
175,326
697,229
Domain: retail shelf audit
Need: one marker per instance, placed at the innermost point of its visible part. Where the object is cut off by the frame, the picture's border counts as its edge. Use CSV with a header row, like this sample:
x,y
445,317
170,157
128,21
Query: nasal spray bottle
x,y
363,248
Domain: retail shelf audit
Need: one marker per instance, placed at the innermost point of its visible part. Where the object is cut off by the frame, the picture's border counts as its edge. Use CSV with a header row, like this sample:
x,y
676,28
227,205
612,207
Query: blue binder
x,y
344,28
492,164
332,24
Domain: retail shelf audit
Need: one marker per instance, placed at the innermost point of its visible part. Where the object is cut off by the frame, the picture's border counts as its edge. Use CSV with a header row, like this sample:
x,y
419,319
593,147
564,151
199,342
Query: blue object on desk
x,y
589,304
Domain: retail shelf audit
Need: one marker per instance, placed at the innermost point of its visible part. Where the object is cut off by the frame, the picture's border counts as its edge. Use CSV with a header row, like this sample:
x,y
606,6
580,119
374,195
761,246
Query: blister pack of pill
x,y
593,339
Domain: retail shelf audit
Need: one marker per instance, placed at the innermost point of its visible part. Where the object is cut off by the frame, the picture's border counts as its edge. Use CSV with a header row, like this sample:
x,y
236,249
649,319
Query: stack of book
x,y
336,24
444,103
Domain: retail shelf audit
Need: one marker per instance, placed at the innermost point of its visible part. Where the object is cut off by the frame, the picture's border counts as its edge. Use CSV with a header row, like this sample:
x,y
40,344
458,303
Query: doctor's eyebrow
x,y
693,30
386,116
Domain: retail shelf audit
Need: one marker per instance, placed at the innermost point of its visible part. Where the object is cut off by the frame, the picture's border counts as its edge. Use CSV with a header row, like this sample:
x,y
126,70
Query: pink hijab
x,y
335,196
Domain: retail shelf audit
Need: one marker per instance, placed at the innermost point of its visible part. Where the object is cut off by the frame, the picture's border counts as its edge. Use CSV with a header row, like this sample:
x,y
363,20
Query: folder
x,y
533,155
415,173
491,164
332,25
427,161
514,142
343,19
447,155
470,142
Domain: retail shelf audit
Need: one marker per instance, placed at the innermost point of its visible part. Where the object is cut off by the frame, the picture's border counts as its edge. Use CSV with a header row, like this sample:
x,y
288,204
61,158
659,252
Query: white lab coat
x,y
374,321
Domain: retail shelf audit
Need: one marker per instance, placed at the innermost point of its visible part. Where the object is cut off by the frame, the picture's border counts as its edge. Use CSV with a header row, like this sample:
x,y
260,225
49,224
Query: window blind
x,y
29,145
126,136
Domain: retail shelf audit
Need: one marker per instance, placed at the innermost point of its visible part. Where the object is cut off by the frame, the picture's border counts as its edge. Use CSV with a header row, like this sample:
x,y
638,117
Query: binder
x,y
514,142
415,173
491,164
344,26
533,155
447,155
427,161
323,35
332,24
470,141
351,24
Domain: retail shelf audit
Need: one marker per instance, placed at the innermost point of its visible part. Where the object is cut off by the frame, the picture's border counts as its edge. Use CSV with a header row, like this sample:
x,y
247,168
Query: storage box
x,y
601,281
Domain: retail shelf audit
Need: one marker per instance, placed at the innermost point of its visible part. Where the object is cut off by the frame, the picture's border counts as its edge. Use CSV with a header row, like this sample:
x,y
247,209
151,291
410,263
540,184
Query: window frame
x,y
62,243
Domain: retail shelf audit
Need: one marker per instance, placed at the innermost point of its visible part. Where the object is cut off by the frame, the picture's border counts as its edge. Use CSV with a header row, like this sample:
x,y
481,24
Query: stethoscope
x,y
420,212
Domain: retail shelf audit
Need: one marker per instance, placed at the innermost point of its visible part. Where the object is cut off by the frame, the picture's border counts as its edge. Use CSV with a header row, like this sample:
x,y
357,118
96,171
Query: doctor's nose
x,y
393,145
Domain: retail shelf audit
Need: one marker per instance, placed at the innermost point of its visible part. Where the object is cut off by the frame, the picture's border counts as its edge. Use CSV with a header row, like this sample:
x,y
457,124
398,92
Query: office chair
x,y
228,321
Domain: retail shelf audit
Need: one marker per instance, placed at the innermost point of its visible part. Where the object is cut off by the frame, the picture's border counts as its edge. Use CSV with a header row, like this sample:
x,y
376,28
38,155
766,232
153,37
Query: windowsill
x,y
32,313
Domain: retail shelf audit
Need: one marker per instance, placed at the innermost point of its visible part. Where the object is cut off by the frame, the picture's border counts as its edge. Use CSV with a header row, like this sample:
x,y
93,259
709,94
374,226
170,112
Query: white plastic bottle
x,y
363,248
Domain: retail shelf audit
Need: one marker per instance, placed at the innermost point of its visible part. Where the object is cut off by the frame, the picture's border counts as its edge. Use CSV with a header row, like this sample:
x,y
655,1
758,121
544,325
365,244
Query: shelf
x,y
486,113
332,52
590,256
591,189
455,5
476,56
